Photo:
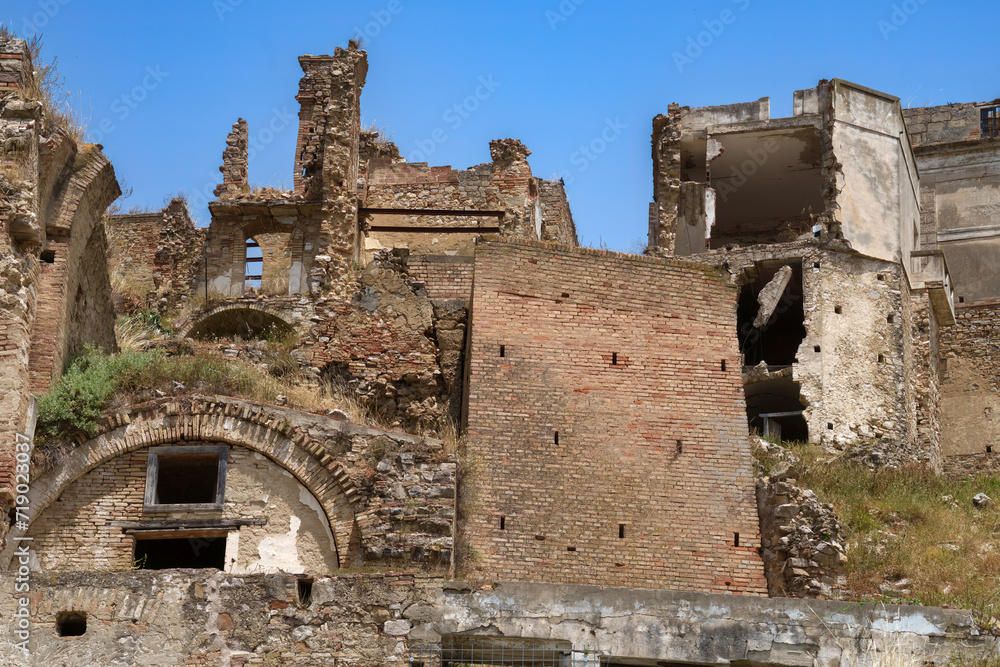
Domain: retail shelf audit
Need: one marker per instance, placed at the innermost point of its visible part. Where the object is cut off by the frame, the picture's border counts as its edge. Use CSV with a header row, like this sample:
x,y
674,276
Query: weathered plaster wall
x,y
597,379
879,198
206,618
960,183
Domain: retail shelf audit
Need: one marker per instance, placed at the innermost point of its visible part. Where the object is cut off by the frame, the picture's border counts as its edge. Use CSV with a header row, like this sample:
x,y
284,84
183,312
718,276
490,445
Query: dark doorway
x,y
190,552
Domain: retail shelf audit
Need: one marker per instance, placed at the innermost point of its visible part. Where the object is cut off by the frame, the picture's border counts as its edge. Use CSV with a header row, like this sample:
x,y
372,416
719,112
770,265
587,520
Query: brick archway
x,y
232,317
209,420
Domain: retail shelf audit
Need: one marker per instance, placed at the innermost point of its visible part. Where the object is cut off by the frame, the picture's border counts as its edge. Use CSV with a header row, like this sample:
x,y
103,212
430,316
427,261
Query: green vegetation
x,y
913,537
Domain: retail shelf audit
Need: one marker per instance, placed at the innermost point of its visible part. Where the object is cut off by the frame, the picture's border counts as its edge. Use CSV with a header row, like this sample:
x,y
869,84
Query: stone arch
x,y
247,320
208,420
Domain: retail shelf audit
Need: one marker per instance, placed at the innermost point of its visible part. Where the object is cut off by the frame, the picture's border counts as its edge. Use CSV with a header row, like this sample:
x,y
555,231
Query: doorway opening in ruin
x,y
240,322
768,185
771,327
194,552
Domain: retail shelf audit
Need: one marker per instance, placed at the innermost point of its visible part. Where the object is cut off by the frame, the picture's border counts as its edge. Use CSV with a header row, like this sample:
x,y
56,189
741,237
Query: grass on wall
x,y
913,537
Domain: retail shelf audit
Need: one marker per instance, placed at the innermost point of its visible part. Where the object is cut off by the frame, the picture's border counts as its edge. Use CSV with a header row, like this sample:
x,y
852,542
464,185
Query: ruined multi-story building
x,y
602,507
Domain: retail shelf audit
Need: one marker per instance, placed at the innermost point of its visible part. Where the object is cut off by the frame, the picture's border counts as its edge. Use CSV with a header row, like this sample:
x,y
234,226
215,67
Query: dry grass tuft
x,y
914,537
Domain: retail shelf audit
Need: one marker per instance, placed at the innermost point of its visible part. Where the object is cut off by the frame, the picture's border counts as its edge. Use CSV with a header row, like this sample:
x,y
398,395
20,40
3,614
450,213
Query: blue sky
x,y
578,81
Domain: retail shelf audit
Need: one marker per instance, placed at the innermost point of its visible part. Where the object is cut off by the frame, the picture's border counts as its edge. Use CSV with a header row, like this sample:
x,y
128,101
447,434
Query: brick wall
x,y
606,424
82,529
444,276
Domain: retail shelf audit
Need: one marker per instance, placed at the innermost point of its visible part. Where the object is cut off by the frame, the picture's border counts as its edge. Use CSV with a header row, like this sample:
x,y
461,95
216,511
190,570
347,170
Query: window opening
x,y
48,256
621,531
736,539
186,478
254,265
614,358
503,523
503,351
991,122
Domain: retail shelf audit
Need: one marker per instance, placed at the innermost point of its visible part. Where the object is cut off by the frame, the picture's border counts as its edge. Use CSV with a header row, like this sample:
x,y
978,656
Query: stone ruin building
x,y
826,277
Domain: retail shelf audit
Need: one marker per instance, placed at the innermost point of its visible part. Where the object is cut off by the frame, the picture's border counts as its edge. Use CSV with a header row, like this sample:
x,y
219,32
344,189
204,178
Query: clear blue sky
x,y
166,80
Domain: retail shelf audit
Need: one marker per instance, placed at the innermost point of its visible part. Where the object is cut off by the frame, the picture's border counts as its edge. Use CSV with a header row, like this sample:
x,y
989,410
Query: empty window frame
x,y
990,118
186,478
253,265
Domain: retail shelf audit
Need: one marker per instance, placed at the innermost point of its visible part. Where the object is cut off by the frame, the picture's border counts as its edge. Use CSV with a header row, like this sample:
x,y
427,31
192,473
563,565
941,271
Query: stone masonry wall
x,y
970,388
157,257
607,438
943,124
200,618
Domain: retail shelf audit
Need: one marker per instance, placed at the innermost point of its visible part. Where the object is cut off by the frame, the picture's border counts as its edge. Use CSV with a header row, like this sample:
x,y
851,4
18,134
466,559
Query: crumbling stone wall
x,y
596,379
235,163
531,207
372,620
804,546
53,193
666,181
157,257
387,497
970,388
382,346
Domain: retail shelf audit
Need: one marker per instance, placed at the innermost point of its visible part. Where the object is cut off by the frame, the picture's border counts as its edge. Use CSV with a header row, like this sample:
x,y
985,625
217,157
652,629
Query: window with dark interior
x,y
186,478
990,118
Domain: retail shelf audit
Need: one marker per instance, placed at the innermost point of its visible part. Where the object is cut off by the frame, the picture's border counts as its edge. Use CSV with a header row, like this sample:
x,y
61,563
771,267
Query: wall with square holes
x,y
607,437
83,529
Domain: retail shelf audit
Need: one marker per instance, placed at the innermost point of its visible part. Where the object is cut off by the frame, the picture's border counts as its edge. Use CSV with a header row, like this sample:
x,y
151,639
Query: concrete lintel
x,y
770,296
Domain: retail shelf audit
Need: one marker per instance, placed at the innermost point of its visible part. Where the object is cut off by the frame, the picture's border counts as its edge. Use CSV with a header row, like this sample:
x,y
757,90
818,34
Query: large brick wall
x,y
606,428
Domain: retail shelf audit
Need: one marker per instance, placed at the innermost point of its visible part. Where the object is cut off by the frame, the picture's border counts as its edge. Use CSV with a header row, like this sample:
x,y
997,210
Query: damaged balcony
x,y
770,320
929,270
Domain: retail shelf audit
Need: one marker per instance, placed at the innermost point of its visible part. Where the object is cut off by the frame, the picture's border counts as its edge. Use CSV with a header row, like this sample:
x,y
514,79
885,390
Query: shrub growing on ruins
x,y
85,389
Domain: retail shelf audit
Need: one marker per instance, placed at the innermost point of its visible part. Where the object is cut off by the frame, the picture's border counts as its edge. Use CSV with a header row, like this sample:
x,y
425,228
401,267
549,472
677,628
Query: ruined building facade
x,y
797,282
